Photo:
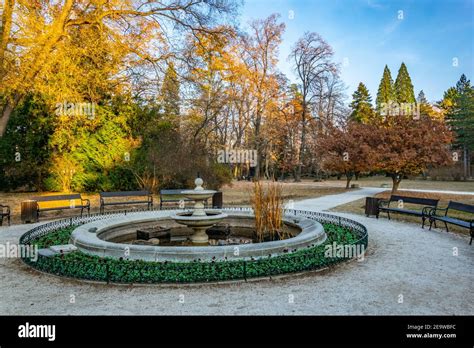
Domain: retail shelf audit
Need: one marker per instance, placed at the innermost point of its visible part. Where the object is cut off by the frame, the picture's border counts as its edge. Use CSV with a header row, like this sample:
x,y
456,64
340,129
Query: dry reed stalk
x,y
268,209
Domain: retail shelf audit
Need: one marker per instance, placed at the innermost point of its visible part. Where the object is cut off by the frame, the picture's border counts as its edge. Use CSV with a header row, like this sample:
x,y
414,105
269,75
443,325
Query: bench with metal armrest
x,y
69,202
176,197
4,212
442,214
400,208
107,199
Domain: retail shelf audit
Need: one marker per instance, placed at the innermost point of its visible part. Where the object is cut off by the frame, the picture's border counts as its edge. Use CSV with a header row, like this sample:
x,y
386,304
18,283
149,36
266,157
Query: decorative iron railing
x,y
117,271
46,228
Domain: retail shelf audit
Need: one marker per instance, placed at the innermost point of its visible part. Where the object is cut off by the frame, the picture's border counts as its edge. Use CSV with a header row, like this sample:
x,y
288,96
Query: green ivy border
x,y
94,268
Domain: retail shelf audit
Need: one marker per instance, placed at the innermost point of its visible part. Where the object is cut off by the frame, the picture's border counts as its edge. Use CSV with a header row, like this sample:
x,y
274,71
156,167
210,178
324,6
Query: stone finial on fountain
x,y
198,182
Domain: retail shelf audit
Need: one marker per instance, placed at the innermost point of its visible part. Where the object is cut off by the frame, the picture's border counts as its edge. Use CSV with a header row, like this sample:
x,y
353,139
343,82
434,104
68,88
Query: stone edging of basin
x,y
312,233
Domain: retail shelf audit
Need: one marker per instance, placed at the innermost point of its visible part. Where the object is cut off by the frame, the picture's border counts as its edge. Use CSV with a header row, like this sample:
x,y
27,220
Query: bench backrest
x,y
467,208
175,195
170,192
58,198
415,200
124,194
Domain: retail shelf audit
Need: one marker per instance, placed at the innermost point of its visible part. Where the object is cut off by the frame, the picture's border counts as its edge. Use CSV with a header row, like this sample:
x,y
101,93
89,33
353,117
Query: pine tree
x,y
169,95
386,92
361,105
463,84
461,113
403,87
422,98
448,99
424,106
459,103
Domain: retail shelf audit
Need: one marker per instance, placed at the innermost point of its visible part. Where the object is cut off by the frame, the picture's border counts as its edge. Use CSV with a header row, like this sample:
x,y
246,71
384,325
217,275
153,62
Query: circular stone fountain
x,y
116,236
199,220
102,238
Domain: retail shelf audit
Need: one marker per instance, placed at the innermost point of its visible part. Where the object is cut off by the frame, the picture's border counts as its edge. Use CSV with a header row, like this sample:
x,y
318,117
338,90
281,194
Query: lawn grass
x,y
239,192
358,207
417,184
236,194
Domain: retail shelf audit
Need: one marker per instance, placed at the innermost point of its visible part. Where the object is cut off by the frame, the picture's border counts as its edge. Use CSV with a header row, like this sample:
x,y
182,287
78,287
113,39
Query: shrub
x,y
83,266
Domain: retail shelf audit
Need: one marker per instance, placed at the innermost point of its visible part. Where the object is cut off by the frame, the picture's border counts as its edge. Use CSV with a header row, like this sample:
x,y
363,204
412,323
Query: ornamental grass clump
x,y
267,205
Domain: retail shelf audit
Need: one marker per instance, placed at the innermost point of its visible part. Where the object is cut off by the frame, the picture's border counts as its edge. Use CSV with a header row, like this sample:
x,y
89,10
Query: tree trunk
x,y
258,167
34,67
469,167
396,179
303,143
267,172
298,173
6,113
5,29
295,174
348,180
466,163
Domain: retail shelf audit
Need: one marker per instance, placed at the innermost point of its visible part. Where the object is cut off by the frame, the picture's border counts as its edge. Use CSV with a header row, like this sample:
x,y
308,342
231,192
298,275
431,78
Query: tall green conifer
x,y
403,87
386,91
361,104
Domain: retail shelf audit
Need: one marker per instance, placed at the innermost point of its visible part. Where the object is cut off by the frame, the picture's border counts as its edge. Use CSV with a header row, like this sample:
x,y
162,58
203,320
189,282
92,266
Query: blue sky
x,y
431,36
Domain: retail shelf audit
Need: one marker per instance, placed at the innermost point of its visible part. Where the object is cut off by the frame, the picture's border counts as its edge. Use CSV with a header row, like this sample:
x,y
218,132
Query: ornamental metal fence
x,y
44,229
167,272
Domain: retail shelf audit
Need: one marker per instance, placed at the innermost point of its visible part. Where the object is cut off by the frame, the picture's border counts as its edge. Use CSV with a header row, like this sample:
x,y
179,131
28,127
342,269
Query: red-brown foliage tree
x,y
350,150
407,146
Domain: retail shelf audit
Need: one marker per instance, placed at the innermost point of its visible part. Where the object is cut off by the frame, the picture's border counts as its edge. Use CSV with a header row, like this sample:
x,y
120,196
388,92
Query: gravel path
x,y
403,262
331,201
469,193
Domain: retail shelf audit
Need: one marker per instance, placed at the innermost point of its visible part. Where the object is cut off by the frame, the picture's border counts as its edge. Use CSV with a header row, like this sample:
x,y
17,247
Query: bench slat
x,y
57,198
124,194
124,203
63,208
467,208
415,200
171,192
403,211
453,221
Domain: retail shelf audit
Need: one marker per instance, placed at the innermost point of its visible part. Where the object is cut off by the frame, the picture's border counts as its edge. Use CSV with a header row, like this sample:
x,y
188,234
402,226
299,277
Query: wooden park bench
x,y
4,212
454,206
61,202
173,196
110,198
400,208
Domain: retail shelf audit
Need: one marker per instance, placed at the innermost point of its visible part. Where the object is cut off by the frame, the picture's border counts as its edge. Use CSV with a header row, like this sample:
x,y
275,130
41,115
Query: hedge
x,y
88,267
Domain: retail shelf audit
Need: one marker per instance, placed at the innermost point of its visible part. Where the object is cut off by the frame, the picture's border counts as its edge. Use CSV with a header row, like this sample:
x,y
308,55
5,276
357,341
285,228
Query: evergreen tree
x,y
28,134
403,87
169,95
463,85
424,106
361,105
386,92
460,114
448,99
422,98
459,105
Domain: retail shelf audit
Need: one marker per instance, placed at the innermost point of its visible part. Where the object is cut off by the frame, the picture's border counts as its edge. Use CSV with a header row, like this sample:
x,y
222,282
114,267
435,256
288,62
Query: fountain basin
x,y
211,218
198,194
199,223
92,238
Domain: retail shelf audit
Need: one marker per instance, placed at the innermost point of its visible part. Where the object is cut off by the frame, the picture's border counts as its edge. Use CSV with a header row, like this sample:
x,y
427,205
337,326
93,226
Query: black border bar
x,y
242,330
